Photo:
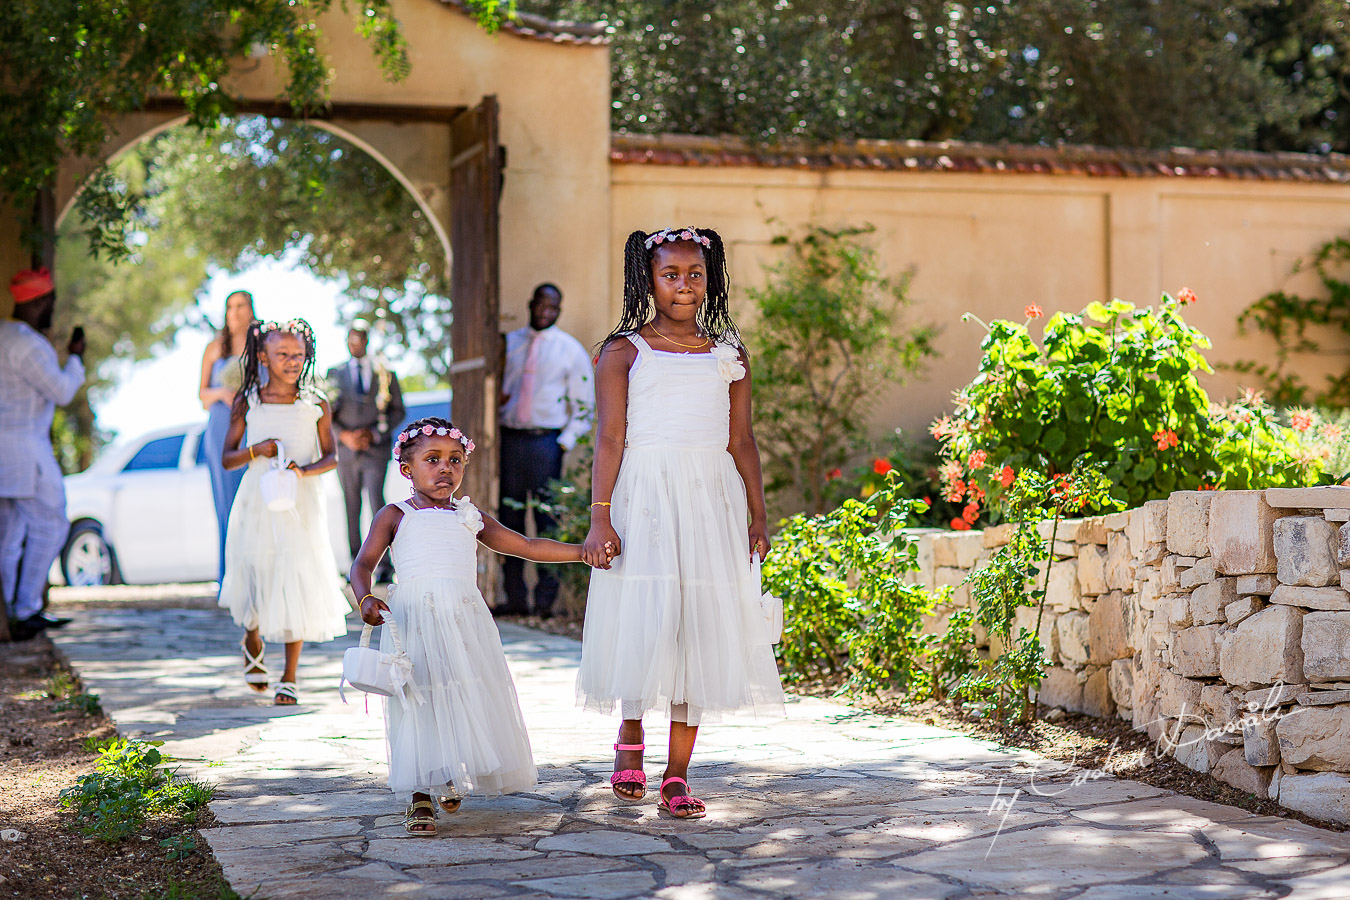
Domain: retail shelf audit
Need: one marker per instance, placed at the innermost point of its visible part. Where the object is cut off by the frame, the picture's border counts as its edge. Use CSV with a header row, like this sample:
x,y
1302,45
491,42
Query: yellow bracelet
x,y
250,453
363,599
601,503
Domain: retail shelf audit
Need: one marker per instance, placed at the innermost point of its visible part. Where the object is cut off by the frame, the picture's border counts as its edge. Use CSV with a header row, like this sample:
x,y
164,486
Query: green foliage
x,y
1003,683
1250,73
823,347
915,466
127,787
1124,393
179,847
848,608
568,501
1286,317
69,695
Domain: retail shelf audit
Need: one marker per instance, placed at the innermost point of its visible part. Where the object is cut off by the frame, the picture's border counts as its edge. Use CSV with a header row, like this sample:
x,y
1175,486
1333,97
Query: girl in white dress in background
x,y
461,731
281,582
674,627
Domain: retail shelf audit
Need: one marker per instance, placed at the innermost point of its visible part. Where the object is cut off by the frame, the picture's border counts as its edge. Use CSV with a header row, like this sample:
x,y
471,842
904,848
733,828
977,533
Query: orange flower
x,y
971,512
978,459
952,471
956,491
976,493
1166,438
1007,476
960,525
1033,311
1301,421
881,466
833,474
1186,296
941,428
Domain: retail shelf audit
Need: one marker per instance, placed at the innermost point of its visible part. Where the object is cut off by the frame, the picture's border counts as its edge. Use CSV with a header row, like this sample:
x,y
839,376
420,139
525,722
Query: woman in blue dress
x,y
221,376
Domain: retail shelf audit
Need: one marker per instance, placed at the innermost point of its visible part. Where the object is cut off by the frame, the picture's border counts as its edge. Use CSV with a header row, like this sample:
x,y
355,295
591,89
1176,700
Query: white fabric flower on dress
x,y
468,515
729,364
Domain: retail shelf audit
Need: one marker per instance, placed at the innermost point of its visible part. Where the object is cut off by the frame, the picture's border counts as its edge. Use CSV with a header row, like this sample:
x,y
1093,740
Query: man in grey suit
x,y
367,409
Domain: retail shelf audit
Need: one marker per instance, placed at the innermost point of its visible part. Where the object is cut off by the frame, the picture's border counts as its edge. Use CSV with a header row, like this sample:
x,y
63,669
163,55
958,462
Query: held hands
x,y
296,468
601,546
371,607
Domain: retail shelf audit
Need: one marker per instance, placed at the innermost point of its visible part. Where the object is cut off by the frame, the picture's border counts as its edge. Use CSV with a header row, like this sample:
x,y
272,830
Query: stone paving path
x,y
829,803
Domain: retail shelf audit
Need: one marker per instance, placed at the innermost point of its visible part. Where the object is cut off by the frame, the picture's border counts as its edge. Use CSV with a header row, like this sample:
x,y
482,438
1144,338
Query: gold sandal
x,y
450,804
418,825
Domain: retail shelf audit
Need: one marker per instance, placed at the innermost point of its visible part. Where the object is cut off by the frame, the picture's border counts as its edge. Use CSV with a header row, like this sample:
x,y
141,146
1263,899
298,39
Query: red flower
x,y
978,459
1165,437
928,501
833,474
1301,421
955,491
976,493
971,512
960,525
1007,476
1186,296
1033,311
881,466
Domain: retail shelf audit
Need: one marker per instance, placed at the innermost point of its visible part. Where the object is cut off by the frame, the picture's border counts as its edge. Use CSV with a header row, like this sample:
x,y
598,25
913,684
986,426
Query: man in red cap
x,y
33,382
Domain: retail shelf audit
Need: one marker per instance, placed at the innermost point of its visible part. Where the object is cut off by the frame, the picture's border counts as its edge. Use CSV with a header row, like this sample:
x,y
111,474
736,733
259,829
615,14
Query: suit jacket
x,y
353,409
32,384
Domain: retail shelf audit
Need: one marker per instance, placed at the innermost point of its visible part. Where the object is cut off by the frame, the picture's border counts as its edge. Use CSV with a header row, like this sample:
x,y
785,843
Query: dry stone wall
x,y
1217,622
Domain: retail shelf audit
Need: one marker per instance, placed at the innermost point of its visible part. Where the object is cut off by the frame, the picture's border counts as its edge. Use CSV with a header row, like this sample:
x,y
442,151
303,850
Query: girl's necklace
x,y
413,502
678,344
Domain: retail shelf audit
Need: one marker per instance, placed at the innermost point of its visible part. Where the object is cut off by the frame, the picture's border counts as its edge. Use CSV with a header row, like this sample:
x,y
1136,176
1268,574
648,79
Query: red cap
x,y
30,284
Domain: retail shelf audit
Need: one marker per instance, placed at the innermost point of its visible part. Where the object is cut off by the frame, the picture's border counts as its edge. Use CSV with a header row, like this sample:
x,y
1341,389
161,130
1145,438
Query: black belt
x,y
534,432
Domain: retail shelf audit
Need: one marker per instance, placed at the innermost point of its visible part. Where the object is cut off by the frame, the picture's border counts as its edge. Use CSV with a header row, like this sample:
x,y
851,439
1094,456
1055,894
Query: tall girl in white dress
x,y
461,732
281,581
678,496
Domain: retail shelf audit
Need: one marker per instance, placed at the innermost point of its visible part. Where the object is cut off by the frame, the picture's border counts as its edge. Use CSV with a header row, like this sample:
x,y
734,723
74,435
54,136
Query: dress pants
x,y
362,472
33,531
530,458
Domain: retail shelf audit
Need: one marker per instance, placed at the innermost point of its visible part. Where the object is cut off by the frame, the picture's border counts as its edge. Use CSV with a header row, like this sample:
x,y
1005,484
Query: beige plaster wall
x,y
554,102
991,243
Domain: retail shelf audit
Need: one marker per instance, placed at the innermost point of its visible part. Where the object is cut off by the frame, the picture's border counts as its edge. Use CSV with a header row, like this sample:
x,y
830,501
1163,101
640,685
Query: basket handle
x,y
393,632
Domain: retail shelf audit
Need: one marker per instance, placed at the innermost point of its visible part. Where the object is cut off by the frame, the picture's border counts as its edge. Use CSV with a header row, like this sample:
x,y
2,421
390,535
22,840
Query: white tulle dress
x,y
466,735
676,620
280,574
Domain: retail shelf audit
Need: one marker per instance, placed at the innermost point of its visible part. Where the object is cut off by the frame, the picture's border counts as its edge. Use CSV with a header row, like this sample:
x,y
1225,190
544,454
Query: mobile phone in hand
x,y
77,334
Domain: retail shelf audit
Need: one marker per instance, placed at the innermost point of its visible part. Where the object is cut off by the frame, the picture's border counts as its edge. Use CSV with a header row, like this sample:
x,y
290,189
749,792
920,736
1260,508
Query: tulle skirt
x,y
676,620
467,735
280,574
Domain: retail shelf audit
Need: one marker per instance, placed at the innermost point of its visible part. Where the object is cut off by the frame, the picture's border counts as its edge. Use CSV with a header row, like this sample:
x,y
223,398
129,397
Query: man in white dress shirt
x,y
548,393
33,383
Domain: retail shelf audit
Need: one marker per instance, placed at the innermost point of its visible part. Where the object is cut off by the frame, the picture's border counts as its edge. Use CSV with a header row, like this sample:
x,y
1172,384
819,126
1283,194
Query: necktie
x,y
525,393
360,377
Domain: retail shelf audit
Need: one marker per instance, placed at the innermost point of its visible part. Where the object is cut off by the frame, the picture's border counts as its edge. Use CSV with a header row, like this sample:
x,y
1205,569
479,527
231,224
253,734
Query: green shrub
x,y
849,610
127,787
1123,393
823,346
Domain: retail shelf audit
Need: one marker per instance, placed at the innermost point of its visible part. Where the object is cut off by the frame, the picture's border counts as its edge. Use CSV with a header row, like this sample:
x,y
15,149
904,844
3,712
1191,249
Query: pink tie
x,y
525,392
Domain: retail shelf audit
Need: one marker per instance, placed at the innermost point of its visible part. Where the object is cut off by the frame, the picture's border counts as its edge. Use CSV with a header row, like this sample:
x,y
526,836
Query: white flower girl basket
x,y
770,607
278,484
370,670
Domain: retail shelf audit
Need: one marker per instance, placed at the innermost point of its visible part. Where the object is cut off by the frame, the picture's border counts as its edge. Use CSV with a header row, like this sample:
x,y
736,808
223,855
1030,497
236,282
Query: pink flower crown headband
x,y
676,234
428,431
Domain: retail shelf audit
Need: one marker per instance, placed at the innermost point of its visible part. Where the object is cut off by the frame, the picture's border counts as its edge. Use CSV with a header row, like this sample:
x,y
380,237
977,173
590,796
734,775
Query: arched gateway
x,y
503,140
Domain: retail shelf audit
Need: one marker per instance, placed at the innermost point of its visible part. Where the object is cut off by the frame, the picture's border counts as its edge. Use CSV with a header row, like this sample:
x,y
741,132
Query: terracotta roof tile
x,y
542,29
957,156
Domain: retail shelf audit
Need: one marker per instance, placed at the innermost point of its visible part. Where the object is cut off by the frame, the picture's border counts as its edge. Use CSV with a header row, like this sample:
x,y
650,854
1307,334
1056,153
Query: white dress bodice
x,y
678,400
294,424
437,543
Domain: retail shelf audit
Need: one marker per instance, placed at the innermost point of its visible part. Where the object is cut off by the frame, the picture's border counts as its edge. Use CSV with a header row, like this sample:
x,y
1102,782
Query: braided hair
x,y
256,342
417,431
639,300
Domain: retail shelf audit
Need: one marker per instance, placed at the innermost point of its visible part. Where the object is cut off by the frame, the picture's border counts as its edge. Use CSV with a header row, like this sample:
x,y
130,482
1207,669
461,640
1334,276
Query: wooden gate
x,y
475,188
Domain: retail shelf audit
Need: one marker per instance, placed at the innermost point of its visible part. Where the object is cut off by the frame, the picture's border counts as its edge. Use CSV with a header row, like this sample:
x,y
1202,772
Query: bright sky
x,y
163,391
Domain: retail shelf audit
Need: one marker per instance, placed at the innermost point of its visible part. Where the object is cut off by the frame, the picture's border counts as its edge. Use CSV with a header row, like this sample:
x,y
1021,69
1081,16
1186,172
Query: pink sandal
x,y
629,776
681,801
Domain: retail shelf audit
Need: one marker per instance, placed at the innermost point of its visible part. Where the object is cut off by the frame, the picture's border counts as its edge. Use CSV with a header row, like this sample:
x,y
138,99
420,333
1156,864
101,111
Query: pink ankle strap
x,y
630,746
676,778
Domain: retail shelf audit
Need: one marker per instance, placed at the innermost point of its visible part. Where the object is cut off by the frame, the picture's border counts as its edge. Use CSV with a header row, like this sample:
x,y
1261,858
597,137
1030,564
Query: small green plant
x,y
94,744
128,786
850,611
86,704
179,847
65,689
1003,683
